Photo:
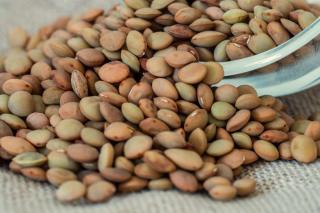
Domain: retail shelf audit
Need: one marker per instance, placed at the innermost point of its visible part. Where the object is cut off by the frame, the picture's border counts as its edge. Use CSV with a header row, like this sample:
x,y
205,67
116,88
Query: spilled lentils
x,y
117,101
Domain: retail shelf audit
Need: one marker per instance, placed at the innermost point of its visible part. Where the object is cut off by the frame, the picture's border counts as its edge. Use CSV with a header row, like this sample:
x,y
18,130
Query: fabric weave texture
x,y
282,186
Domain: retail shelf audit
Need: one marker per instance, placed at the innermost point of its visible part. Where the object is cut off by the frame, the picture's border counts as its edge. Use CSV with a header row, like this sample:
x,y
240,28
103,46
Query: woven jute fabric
x,y
282,186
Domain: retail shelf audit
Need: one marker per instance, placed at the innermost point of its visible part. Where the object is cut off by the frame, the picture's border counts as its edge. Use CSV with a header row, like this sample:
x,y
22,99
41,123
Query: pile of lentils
x,y
118,101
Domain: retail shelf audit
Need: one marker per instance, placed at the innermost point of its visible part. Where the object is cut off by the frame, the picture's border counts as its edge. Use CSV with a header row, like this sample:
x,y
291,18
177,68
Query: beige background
x,y
282,186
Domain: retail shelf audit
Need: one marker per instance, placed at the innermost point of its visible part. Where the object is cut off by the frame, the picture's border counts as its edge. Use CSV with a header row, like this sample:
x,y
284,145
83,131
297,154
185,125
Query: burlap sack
x,y
282,186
